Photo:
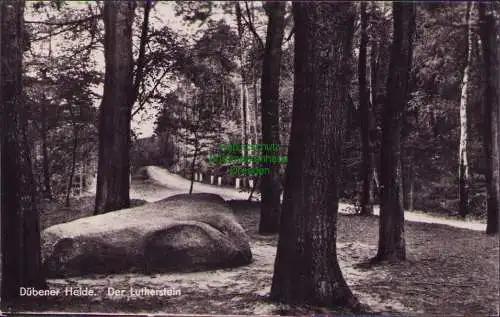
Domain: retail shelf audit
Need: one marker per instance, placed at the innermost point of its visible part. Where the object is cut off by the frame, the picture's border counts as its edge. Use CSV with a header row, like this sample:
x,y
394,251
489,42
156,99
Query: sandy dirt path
x,y
176,184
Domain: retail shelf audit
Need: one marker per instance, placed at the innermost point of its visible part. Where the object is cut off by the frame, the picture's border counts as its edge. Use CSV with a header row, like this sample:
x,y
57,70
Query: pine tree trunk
x,y
113,183
463,164
243,89
491,136
306,267
47,192
20,232
270,186
373,86
408,184
256,181
73,164
412,192
373,72
193,164
391,244
367,194
255,111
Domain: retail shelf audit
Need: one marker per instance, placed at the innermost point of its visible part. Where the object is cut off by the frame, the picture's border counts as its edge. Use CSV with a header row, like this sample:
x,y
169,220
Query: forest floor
x,y
449,271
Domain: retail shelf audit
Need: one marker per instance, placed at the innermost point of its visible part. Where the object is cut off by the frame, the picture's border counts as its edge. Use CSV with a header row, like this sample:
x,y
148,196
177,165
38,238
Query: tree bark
x,y
243,88
193,164
491,137
252,190
73,163
374,66
47,192
463,164
141,59
20,232
113,183
391,245
255,103
255,110
306,270
270,186
367,193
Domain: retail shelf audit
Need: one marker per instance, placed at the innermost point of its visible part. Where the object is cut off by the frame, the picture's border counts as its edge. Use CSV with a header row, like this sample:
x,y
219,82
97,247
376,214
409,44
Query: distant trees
x,y
20,233
391,244
188,117
270,185
201,110
58,83
306,267
488,30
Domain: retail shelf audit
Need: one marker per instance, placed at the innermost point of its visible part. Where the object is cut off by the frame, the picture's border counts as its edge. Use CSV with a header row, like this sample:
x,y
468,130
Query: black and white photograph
x,y
249,158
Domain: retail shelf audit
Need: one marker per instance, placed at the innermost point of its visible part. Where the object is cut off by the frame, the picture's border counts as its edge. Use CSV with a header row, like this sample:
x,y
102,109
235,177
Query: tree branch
x,y
95,94
251,26
288,19
87,19
70,28
139,73
145,100
292,32
450,24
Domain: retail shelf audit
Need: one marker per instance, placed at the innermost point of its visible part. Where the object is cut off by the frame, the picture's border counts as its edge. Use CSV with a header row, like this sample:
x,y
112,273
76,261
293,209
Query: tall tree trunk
x,y
20,232
193,164
47,188
373,70
491,136
73,163
252,190
408,184
47,192
113,182
391,245
254,113
270,186
255,85
463,164
374,66
243,88
306,270
367,193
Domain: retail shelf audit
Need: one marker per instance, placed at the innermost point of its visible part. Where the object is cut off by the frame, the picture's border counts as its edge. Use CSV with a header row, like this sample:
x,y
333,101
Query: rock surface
x,y
180,233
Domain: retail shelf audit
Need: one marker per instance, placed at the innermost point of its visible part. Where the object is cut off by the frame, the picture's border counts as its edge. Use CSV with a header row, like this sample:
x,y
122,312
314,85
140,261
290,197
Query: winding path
x,y
175,184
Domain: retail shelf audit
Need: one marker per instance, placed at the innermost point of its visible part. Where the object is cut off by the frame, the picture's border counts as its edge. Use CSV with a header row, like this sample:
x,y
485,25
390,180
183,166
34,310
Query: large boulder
x,y
179,233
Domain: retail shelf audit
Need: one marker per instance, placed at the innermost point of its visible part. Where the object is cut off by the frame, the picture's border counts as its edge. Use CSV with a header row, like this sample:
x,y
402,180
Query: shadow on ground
x,y
450,271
